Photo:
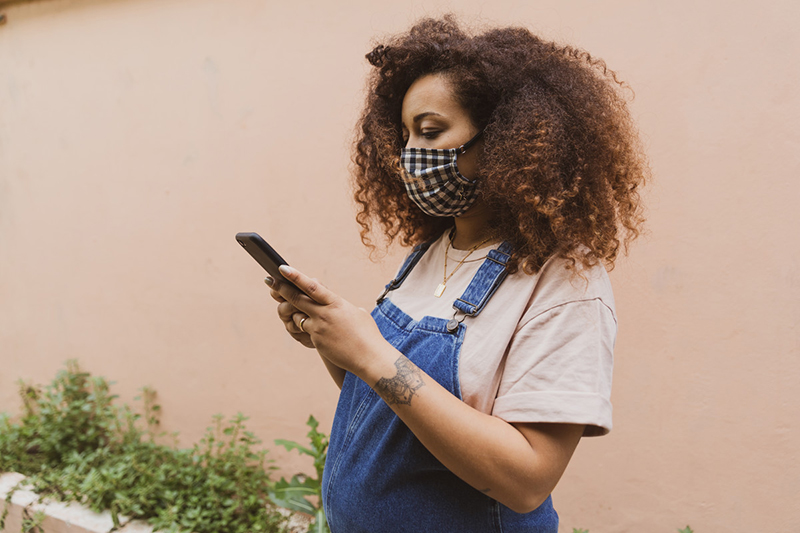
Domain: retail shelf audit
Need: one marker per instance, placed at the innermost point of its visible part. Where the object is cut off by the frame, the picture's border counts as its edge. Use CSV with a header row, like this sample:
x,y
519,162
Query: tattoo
x,y
486,491
401,388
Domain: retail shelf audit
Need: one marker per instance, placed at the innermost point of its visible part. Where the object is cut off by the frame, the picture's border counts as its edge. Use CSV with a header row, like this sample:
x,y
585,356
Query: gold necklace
x,y
481,258
443,285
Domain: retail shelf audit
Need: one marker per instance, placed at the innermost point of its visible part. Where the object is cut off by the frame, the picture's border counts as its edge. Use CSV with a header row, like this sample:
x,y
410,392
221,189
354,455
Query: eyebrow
x,y
425,114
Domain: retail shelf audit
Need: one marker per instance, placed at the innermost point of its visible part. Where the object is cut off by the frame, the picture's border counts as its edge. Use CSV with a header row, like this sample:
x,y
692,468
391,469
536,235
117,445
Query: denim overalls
x,y
378,477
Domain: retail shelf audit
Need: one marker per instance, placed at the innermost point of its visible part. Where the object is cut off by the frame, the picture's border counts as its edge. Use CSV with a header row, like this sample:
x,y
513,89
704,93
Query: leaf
x,y
320,524
687,530
75,444
292,445
291,495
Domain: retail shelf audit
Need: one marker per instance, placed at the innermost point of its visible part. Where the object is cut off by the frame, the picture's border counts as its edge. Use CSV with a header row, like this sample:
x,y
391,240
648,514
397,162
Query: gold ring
x,y
301,323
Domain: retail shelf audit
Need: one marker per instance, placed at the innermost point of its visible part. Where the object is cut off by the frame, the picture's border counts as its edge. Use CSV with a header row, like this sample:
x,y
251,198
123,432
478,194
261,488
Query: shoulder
x,y
559,361
558,283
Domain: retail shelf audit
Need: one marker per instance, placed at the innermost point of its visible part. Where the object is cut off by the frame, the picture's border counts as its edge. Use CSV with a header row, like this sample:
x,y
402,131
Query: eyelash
x,y
429,135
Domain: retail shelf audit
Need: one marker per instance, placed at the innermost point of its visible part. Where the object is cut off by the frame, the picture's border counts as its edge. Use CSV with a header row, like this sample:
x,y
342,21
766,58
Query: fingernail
x,y
286,270
269,281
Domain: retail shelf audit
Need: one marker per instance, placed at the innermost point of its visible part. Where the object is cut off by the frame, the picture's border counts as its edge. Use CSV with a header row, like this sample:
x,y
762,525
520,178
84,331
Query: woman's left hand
x,y
344,334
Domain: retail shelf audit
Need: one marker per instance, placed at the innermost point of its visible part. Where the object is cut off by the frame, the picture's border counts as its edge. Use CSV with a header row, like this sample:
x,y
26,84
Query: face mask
x,y
434,183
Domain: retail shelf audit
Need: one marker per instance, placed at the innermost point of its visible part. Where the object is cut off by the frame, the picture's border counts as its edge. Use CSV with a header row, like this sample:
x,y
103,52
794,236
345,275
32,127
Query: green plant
x,y
294,494
75,444
31,524
687,530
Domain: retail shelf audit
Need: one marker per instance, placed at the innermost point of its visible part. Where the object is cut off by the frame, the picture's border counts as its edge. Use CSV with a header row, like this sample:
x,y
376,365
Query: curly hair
x,y
562,161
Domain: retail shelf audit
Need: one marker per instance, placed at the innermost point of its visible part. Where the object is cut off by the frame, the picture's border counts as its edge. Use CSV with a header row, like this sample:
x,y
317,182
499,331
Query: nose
x,y
413,141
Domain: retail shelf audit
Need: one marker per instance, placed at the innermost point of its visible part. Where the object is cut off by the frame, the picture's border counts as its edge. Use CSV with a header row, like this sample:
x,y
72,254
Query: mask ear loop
x,y
467,145
459,151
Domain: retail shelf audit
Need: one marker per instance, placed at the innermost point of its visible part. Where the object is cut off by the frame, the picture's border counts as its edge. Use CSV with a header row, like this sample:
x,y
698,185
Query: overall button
x,y
452,325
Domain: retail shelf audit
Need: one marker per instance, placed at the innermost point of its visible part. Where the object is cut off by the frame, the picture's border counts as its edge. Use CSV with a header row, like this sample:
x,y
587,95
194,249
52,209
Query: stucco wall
x,y
138,136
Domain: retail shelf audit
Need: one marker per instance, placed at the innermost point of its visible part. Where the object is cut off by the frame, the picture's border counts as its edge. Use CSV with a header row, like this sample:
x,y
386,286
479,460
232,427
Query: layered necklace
x,y
443,285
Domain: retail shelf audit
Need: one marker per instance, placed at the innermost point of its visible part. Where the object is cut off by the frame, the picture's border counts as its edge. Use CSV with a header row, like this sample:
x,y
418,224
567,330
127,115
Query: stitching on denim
x,y
498,522
456,362
488,294
408,328
440,326
440,331
485,274
345,444
348,437
408,265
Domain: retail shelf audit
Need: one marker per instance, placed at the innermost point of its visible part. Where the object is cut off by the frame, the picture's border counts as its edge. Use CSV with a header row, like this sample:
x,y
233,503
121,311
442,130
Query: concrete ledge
x,y
75,518
59,517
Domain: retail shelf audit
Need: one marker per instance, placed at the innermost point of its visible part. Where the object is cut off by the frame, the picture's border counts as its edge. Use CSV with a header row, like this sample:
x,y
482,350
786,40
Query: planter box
x,y
59,517
75,518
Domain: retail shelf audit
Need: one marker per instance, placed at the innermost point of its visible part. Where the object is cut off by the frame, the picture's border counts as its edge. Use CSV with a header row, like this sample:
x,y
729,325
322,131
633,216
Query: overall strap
x,y
410,262
485,281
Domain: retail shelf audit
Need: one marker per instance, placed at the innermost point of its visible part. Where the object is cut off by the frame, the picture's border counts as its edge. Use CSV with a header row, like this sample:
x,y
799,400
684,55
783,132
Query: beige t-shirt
x,y
542,348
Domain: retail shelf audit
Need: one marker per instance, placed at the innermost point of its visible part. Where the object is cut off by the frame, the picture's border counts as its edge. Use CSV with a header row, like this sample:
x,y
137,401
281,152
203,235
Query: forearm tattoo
x,y
402,387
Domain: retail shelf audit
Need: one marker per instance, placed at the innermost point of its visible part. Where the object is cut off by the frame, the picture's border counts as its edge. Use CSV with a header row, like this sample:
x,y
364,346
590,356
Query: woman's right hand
x,y
285,313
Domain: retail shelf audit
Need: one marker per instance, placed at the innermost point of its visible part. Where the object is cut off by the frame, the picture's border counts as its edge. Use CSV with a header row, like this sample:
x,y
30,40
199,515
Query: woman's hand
x,y
518,465
285,312
342,333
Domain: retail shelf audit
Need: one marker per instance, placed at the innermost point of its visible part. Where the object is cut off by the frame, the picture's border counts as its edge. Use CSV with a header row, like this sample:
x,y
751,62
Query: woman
x,y
511,165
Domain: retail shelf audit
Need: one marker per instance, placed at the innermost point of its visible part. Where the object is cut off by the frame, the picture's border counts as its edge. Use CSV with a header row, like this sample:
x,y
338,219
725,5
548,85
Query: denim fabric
x,y
486,280
410,262
378,477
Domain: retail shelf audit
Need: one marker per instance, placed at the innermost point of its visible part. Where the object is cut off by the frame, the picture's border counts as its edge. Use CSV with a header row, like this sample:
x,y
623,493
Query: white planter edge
x,y
59,517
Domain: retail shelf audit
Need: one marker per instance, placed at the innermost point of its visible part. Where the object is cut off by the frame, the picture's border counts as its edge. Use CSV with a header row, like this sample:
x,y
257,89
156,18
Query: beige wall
x,y
138,136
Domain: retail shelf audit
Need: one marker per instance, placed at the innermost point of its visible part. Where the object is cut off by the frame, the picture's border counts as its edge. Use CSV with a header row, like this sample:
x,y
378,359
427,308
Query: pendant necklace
x,y
443,285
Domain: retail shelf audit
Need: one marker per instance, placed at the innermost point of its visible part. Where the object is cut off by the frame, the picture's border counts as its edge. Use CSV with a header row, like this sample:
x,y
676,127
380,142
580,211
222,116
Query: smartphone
x,y
264,254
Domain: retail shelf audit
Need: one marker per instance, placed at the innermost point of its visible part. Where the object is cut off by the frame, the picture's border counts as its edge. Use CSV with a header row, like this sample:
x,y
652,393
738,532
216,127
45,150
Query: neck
x,y
472,227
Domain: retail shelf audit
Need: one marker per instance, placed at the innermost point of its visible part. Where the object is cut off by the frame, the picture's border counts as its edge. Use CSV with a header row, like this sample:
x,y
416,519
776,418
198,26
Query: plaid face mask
x,y
434,183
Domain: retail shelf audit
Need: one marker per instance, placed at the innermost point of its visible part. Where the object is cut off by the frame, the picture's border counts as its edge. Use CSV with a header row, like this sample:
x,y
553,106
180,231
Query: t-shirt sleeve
x,y
558,367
